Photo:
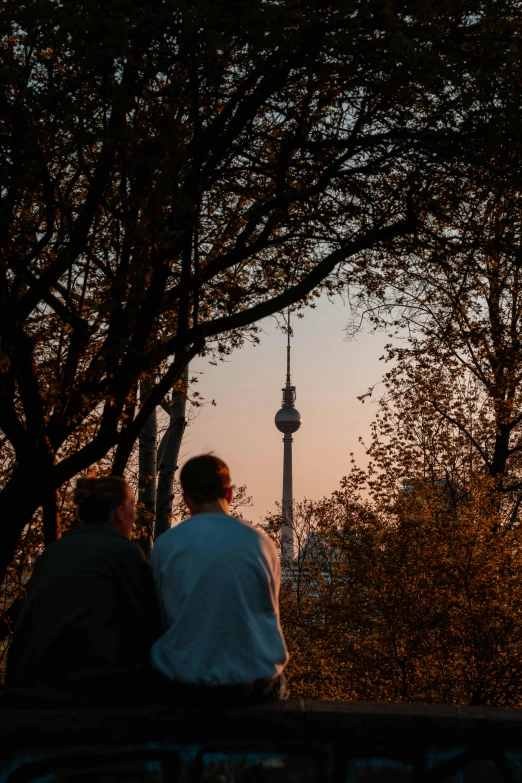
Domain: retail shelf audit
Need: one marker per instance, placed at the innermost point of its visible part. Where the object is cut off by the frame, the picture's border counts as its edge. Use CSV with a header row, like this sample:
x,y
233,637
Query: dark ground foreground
x,y
290,742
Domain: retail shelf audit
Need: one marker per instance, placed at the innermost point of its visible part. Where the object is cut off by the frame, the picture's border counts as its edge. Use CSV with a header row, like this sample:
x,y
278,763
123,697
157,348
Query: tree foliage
x,y
172,172
455,308
411,600
406,586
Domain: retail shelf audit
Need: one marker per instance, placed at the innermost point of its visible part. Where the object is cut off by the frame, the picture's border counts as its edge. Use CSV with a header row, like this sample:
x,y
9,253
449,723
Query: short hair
x,y
97,497
205,478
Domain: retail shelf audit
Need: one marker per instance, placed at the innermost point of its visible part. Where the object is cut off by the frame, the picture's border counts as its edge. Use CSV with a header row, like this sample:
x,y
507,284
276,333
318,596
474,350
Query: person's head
x,y
205,481
106,500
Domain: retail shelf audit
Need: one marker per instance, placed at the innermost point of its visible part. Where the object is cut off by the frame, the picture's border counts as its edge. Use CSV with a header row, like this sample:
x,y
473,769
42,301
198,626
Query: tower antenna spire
x,y
288,350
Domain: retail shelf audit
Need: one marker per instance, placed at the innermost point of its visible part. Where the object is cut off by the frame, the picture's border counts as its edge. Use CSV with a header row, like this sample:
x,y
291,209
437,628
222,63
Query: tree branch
x,y
131,432
463,429
301,289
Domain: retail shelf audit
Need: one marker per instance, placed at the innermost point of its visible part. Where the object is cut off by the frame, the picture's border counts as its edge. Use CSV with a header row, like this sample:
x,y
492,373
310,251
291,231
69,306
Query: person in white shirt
x,y
217,580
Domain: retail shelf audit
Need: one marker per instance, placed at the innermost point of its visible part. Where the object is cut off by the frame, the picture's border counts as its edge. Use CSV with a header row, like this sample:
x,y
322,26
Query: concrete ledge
x,y
295,741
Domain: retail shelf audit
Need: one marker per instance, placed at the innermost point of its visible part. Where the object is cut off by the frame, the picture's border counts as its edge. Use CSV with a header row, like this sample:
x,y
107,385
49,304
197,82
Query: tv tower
x,y
288,421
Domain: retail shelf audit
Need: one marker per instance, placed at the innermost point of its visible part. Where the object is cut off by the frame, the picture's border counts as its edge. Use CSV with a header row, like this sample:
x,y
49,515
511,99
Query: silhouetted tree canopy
x,y
173,172
454,307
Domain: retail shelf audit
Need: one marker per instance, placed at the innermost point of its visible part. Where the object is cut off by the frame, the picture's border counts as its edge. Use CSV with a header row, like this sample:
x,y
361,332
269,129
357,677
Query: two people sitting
x,y
200,627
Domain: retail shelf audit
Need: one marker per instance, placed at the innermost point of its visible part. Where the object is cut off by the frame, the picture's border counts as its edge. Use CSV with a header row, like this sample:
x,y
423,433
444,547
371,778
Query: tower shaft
x,y
288,355
287,532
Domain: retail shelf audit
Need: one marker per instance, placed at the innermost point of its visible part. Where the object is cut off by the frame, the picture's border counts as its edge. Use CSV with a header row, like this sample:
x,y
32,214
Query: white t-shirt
x,y
217,580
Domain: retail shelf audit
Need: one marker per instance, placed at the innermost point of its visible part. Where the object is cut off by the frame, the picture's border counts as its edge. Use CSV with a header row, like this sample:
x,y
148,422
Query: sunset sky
x,y
329,373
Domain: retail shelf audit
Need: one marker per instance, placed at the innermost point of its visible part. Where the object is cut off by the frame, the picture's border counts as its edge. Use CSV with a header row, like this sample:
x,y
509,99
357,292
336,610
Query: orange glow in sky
x,y
329,373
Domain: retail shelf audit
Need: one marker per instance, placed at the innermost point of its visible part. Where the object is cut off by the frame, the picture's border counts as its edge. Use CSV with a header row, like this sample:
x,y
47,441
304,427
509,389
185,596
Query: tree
x,y
403,597
454,387
174,172
157,465
168,454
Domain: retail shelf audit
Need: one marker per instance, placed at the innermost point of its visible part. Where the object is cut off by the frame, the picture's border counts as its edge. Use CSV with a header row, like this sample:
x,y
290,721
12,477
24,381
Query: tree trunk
x,y
500,454
168,454
17,508
50,517
147,475
10,617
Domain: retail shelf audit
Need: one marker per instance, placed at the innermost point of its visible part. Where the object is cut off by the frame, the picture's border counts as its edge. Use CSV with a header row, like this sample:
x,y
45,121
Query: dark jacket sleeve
x,y
141,607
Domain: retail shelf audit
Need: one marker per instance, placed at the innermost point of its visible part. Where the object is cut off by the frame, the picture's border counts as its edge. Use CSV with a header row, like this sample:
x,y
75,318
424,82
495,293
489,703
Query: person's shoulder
x,y
168,538
174,532
68,540
134,550
257,534
125,555
247,527
54,551
109,542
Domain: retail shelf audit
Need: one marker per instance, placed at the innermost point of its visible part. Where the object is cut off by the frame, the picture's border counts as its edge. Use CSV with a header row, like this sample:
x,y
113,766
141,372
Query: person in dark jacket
x,y
91,614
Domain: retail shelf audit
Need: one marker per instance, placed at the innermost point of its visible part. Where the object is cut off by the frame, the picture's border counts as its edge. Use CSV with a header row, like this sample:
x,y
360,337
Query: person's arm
x,y
141,601
155,562
150,604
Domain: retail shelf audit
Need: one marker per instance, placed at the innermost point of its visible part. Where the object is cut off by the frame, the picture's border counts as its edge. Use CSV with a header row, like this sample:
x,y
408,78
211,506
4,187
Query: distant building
x,y
442,489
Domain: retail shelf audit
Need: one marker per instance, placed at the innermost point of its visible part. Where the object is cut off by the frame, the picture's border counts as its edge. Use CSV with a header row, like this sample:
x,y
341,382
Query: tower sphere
x,y
287,420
